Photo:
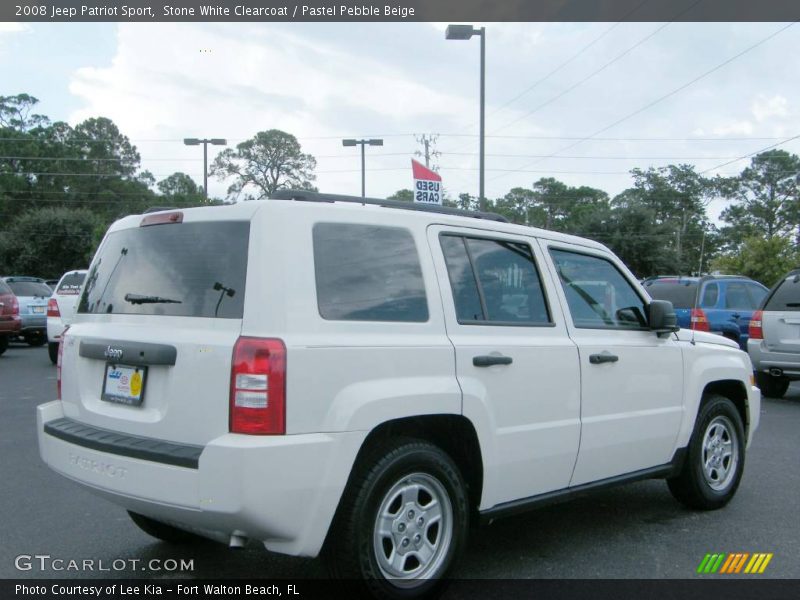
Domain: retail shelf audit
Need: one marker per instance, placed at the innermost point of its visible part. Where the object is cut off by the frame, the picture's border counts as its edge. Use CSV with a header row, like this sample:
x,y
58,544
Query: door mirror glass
x,y
662,318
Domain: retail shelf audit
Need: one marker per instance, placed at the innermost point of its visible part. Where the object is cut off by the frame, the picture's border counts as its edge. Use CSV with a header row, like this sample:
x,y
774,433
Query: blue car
x,y
722,304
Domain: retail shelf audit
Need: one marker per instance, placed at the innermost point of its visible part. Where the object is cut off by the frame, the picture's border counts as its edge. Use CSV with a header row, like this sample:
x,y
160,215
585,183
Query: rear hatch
x,y
149,351
681,292
8,313
32,296
780,320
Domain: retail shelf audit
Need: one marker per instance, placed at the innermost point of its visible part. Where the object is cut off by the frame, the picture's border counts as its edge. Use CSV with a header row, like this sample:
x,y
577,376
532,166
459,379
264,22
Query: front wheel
x,y
402,522
713,468
772,387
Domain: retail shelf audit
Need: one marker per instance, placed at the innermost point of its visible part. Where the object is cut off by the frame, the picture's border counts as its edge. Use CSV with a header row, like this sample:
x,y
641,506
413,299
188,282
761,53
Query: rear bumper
x,y
282,490
763,360
33,322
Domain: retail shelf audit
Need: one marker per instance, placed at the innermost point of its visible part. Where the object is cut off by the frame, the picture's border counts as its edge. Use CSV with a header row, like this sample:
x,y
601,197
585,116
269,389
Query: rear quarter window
x,y
786,296
368,273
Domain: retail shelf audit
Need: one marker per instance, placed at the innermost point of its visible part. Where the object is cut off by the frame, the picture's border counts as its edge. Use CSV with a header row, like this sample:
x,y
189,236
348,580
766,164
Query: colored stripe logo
x,y
733,563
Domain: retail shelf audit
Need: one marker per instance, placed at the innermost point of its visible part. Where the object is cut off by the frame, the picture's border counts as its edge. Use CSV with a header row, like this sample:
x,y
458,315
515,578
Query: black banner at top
x,y
398,10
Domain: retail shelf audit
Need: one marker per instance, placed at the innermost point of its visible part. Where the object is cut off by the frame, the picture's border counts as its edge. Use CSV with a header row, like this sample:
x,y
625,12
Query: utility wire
x,y
660,99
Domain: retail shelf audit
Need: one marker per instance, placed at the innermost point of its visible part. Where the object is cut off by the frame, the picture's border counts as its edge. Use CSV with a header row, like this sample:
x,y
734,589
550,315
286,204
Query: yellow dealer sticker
x,y
136,384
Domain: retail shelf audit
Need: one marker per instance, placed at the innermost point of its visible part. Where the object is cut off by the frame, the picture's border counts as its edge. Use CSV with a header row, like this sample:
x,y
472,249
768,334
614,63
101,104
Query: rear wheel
x,y
3,343
402,522
164,532
772,387
713,468
52,350
36,338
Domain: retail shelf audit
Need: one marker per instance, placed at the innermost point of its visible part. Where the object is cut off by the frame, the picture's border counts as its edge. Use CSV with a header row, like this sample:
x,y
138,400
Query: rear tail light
x,y
14,306
699,320
52,308
755,329
258,387
60,359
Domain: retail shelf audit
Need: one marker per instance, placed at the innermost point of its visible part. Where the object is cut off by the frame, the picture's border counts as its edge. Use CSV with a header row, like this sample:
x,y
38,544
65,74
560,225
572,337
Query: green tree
x,y
765,200
762,259
269,161
404,195
49,241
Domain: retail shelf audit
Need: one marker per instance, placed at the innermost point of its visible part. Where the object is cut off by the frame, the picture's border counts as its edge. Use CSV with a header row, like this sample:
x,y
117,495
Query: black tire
x,y
772,387
351,550
37,338
692,486
3,343
165,533
52,350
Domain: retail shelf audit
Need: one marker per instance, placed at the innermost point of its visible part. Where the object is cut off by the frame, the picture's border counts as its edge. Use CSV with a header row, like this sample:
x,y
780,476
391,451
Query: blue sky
x,y
323,82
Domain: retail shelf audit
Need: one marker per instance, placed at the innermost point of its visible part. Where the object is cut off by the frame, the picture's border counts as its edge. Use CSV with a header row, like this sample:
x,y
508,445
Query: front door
x,y
631,379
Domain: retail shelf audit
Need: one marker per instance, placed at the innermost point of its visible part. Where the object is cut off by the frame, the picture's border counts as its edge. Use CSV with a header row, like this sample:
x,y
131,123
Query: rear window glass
x,y
182,270
368,273
680,293
29,288
4,289
71,284
786,297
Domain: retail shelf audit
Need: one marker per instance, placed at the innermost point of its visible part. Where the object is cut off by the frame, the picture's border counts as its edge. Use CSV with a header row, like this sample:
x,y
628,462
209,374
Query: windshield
x,y
680,293
29,288
185,270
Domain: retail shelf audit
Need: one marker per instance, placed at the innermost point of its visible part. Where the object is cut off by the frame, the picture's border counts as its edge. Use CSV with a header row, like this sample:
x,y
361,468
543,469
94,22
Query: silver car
x,y
774,344
32,294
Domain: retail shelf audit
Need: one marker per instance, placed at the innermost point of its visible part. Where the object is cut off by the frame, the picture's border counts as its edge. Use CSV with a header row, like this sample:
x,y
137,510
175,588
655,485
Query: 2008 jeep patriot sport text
x,y
360,381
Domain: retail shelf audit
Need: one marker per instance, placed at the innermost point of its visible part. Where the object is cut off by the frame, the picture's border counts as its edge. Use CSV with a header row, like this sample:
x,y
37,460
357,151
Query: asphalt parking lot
x,y
637,531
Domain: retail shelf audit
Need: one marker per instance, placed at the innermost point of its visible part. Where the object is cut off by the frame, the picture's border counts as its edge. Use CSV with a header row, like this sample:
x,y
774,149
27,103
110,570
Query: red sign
x,y
427,184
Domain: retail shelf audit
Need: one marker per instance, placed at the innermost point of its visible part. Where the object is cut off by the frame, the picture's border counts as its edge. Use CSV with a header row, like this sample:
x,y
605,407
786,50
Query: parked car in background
x,y
32,294
9,315
61,308
722,304
774,344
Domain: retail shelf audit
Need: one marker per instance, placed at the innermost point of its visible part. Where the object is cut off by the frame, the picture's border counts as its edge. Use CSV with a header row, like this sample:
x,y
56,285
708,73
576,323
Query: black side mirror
x,y
662,318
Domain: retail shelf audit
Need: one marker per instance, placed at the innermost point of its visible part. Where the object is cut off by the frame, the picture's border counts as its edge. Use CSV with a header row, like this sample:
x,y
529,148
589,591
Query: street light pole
x,y
205,142
465,32
363,143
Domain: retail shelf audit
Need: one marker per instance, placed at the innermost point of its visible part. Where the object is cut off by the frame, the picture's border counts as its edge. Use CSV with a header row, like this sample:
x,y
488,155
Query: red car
x,y
9,315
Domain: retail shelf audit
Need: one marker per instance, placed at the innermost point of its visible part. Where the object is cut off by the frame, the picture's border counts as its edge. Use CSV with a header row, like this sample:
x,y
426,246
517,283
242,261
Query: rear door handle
x,y
490,359
604,357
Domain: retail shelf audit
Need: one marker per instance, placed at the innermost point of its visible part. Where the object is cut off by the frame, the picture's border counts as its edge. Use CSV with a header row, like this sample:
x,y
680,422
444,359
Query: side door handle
x,y
489,360
604,357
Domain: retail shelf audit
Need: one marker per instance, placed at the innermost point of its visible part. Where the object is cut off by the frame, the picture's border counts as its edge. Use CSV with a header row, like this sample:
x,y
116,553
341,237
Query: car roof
x,y
329,203
13,278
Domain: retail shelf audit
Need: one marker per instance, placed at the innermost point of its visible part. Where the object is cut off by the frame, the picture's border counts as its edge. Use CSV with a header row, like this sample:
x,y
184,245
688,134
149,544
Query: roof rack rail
x,y
305,196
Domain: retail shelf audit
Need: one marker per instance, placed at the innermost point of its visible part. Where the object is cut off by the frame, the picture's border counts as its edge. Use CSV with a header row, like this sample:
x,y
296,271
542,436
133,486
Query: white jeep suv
x,y
361,379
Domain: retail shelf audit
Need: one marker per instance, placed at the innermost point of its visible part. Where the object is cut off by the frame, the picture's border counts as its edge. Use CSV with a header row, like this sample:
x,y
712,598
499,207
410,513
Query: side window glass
x,y
494,281
368,273
462,279
598,295
710,296
736,297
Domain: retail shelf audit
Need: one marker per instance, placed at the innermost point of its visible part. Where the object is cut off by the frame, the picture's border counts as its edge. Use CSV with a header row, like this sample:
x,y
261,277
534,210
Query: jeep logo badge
x,y
113,353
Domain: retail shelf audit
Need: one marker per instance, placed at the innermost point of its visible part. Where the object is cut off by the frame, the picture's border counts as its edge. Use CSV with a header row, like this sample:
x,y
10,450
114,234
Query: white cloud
x,y
14,28
765,107
734,128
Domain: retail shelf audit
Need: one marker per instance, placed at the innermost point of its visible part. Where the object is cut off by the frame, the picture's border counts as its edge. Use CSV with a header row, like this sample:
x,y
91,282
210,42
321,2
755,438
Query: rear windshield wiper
x,y
139,299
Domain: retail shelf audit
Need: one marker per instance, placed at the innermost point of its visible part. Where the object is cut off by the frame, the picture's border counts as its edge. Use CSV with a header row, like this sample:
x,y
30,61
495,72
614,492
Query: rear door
x,y
780,320
149,351
631,379
515,363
